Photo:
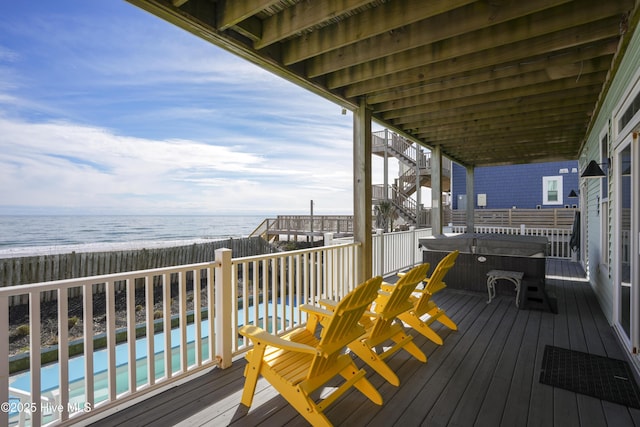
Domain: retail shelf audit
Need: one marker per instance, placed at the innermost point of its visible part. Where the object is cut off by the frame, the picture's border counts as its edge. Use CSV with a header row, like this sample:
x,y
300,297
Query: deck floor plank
x,y
486,373
518,399
416,395
541,400
474,364
495,397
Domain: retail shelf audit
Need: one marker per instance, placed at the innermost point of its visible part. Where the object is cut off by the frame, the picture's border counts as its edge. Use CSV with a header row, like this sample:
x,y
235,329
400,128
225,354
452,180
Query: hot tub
x,y
481,253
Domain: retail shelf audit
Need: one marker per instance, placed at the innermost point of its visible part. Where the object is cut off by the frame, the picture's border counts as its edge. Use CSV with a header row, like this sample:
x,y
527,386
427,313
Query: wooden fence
x,y
531,218
46,268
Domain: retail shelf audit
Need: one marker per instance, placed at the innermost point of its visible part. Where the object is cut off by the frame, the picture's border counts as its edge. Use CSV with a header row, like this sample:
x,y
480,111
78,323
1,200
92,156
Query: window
x,y
552,190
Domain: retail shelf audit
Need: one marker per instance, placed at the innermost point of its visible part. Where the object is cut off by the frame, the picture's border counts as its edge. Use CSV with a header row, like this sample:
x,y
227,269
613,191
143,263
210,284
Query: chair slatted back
x,y
343,327
435,282
399,300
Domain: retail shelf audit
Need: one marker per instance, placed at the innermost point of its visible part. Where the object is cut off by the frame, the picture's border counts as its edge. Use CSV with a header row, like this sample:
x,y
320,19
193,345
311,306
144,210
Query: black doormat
x,y
584,373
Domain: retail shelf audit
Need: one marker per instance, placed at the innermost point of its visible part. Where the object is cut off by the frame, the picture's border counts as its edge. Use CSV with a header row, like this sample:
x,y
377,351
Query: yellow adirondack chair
x,y
425,311
382,325
299,363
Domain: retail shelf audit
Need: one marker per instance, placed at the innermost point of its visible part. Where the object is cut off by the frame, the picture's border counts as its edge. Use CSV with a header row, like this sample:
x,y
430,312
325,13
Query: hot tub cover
x,y
489,244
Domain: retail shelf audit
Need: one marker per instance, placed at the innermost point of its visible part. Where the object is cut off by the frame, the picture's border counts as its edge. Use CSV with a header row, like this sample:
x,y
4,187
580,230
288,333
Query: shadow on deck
x,y
486,374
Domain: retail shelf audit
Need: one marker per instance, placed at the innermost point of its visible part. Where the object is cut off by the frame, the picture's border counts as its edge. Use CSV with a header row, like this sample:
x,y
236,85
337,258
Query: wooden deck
x,y
485,374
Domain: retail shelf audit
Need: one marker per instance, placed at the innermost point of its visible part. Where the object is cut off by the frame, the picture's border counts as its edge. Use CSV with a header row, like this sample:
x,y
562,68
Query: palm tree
x,y
385,213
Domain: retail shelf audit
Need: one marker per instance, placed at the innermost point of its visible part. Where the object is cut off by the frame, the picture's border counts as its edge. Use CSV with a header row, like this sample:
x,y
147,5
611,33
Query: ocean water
x,y
24,235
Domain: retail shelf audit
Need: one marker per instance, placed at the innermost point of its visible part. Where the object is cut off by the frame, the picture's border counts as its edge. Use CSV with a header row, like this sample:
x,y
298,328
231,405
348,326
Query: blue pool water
x,y
50,373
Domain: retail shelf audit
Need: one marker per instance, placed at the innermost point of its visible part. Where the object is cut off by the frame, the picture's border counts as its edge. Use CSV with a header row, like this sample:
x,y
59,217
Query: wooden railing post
x,y
414,242
379,251
223,308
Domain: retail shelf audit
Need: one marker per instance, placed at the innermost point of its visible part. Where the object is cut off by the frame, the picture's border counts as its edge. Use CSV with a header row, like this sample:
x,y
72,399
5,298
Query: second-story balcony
x,y
486,372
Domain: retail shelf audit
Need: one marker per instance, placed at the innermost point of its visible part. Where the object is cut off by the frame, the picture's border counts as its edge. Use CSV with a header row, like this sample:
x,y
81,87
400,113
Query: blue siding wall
x,y
515,185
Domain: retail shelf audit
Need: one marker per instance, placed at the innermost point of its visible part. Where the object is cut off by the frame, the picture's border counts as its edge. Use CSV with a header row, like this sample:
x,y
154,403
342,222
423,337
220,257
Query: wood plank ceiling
x,y
490,81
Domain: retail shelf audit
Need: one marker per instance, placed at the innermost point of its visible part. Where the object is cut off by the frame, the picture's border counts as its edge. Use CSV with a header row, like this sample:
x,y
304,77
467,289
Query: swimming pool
x,y
50,373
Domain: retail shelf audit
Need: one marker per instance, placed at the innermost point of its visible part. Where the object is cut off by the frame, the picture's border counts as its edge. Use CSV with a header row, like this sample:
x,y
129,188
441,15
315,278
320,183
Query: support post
x,y
418,186
436,191
386,165
223,308
362,208
470,199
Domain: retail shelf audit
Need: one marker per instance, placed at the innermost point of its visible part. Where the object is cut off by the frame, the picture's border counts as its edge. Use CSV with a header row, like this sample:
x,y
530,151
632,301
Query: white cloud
x,y
105,108
88,168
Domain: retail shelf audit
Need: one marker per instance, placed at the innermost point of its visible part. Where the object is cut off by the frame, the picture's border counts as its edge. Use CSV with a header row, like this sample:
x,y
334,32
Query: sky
x,y
107,109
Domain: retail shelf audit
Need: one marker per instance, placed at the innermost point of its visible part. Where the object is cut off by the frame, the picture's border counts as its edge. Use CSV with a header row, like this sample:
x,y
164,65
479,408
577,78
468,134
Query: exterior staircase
x,y
415,160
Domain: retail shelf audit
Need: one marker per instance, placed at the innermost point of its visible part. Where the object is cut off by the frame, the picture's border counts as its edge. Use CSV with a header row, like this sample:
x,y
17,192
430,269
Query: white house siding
x,y
600,277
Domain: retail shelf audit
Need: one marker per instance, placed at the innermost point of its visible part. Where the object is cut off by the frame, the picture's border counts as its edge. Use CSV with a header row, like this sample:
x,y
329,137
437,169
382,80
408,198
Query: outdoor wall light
x,y
573,194
593,170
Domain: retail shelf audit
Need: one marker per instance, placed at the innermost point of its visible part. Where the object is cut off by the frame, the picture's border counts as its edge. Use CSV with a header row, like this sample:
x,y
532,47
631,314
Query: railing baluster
x,y
151,352
211,310
273,293
264,285
110,289
197,316
256,295
34,357
166,313
182,310
282,300
87,313
293,288
131,334
234,297
63,352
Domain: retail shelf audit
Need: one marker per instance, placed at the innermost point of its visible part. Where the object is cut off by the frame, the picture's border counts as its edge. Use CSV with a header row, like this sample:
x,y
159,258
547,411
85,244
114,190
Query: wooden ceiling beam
x,y
564,87
573,121
454,117
548,100
548,116
385,17
525,28
481,154
232,12
482,150
302,16
544,70
522,157
436,74
455,57
469,22
510,86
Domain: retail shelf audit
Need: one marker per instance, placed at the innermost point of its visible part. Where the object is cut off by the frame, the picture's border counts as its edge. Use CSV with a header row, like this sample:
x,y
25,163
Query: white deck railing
x,y
393,252
559,238
263,290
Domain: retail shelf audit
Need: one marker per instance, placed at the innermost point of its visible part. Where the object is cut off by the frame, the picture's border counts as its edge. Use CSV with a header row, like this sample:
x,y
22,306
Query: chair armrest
x,y
328,303
312,309
257,334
